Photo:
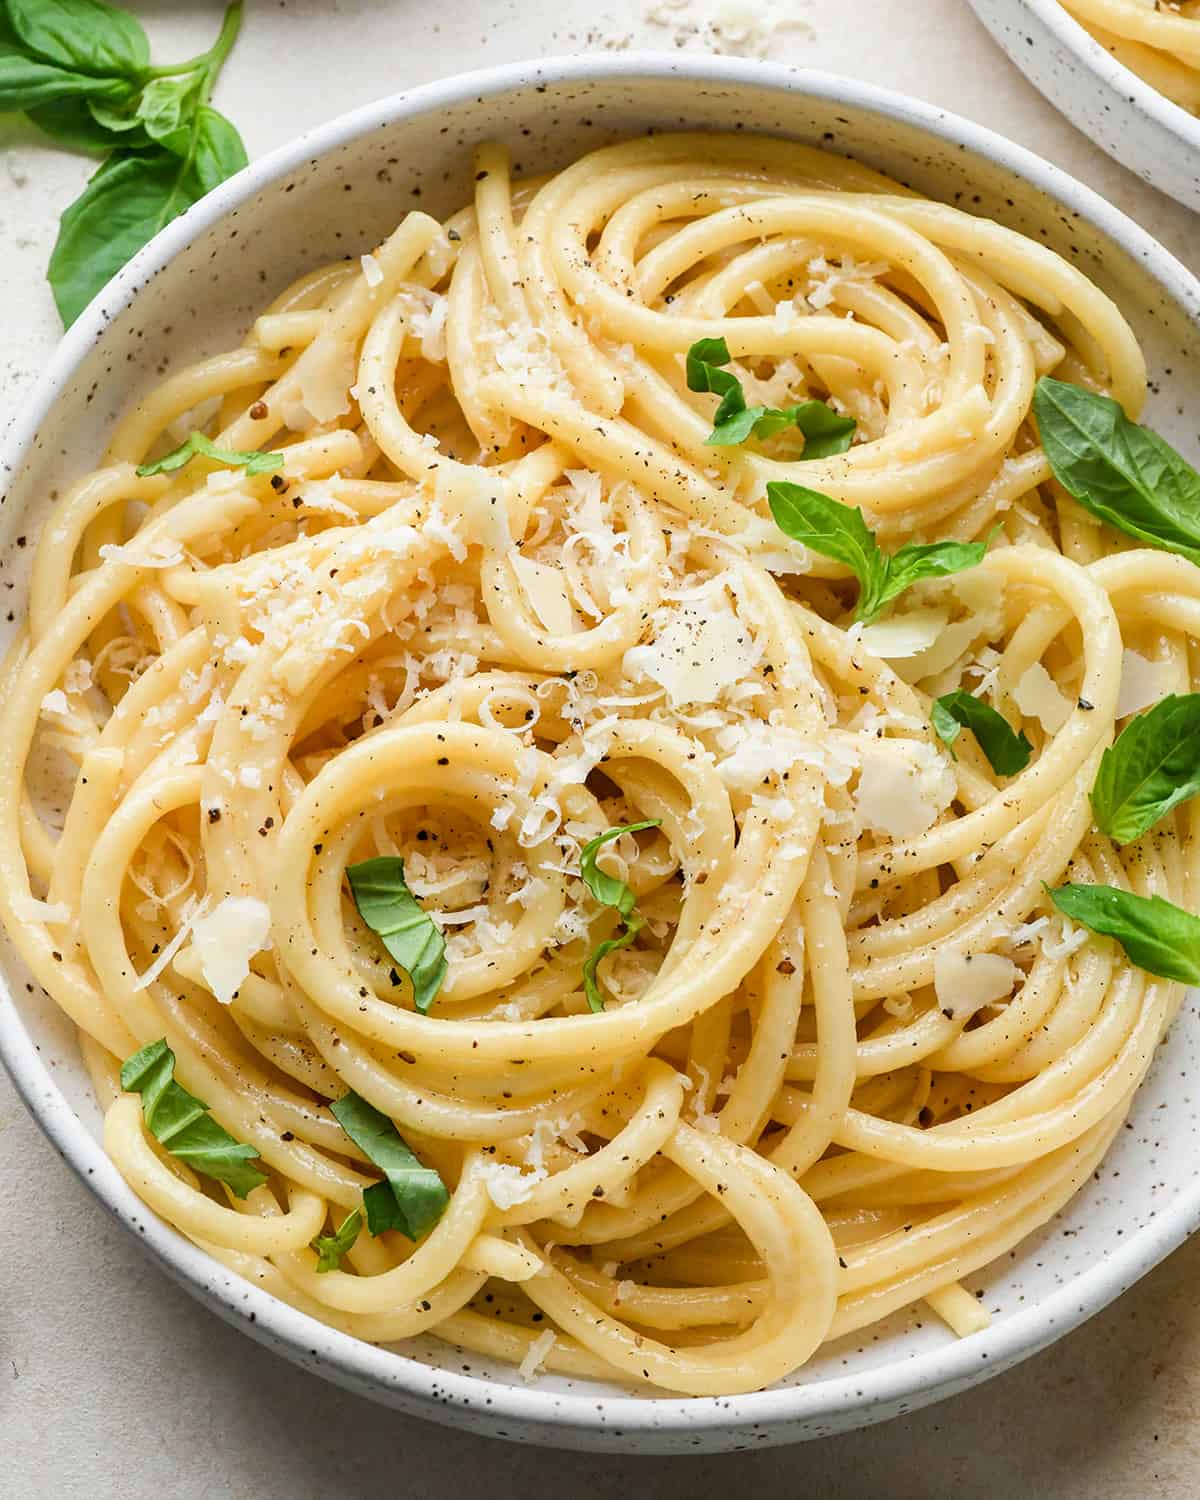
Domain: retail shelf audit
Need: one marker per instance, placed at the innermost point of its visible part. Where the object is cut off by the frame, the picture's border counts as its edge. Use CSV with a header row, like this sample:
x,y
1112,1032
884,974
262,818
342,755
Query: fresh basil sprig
x,y
1122,473
331,1247
609,891
81,70
1153,766
825,433
254,462
412,1197
1007,751
181,1122
390,909
1158,936
839,531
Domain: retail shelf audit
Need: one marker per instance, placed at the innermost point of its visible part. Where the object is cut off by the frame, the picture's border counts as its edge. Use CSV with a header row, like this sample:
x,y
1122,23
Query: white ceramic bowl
x,y
336,191
1143,129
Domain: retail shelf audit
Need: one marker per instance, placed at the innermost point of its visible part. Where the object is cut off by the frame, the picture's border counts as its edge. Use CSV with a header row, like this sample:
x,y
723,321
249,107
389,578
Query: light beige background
x,y
112,1382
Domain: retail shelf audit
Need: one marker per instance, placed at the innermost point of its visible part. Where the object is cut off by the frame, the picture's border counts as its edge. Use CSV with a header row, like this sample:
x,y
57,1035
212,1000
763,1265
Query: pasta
x,y
1160,42
499,598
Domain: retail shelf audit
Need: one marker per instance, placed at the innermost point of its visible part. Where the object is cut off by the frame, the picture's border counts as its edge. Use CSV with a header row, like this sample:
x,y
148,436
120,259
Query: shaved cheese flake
x,y
372,270
1038,697
225,940
536,1354
965,982
546,591
55,702
165,553
904,635
480,497
1143,682
902,787
325,381
508,1185
703,650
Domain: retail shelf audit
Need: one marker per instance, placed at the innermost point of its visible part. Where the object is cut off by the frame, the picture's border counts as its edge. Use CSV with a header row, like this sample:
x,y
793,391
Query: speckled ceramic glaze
x,y
337,191
1143,129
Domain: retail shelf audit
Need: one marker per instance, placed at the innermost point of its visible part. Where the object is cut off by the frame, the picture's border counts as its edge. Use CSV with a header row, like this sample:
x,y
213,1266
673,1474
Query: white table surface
x,y
113,1382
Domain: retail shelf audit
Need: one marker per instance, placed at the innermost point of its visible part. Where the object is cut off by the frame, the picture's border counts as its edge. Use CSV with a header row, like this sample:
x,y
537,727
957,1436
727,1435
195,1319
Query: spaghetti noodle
x,y
500,597
1159,42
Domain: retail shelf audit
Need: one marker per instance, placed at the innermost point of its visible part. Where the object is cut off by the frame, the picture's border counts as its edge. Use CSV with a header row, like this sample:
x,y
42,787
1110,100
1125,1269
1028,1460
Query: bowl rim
x,y
1101,63
621,1419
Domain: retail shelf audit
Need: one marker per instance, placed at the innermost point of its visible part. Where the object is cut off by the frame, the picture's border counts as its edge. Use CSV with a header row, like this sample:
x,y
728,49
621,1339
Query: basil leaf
x,y
839,531
834,530
219,151
81,34
166,107
825,433
124,206
73,123
1153,766
254,462
390,909
181,1122
413,1197
1007,751
1158,936
28,83
1122,473
916,561
609,891
331,1247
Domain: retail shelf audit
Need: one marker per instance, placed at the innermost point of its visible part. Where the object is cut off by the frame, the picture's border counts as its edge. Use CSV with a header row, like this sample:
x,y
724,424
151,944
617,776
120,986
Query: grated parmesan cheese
x,y
546,592
1143,682
536,1354
903,786
965,982
225,939
1038,697
508,1185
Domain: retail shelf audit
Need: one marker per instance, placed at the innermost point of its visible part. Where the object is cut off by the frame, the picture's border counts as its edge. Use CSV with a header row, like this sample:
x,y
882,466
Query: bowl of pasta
x,y
597,840
1125,73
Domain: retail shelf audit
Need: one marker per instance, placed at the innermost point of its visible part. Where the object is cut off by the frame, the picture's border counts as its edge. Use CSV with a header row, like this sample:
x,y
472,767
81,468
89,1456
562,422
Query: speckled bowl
x,y
336,191
1143,129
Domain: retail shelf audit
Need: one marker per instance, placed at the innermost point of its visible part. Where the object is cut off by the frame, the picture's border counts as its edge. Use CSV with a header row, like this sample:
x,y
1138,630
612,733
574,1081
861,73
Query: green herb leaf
x,y
825,433
1007,751
166,107
1153,766
609,891
1158,936
390,909
28,82
219,151
82,35
413,1197
839,531
254,462
124,206
181,1122
1122,473
73,123
929,560
331,1247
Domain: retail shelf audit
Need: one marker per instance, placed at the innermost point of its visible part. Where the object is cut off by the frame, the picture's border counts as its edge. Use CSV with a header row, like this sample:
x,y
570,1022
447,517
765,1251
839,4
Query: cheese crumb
x,y
965,982
902,787
226,938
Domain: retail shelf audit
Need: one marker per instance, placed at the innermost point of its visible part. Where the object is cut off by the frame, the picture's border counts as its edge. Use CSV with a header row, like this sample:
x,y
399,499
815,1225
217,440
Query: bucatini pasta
x,y
498,597
1157,39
